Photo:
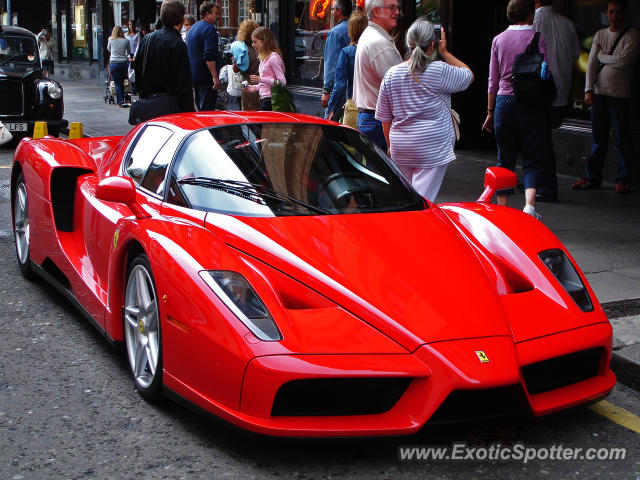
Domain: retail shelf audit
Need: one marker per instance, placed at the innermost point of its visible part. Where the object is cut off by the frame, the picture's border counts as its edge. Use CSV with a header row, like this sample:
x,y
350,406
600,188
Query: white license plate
x,y
16,127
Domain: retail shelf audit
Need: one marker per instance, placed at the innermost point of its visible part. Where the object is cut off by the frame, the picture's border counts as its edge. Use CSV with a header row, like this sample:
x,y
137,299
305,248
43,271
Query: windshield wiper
x,y
250,191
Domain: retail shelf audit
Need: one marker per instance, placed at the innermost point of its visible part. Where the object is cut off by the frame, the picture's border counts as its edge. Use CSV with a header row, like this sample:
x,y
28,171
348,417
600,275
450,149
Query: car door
x,y
100,218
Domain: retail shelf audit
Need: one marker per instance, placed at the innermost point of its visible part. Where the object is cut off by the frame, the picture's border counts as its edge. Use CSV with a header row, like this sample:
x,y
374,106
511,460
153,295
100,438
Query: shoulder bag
x,y
155,105
455,116
530,76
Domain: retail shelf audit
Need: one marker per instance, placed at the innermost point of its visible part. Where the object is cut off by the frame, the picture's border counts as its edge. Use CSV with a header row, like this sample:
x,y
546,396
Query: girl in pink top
x,y
271,65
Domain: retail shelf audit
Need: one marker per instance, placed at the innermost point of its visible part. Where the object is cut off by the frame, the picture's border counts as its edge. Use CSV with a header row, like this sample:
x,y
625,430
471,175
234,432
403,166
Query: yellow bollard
x,y
40,130
75,130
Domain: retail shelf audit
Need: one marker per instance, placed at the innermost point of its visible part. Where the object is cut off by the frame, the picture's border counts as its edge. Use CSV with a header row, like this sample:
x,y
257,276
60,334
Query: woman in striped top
x,y
414,107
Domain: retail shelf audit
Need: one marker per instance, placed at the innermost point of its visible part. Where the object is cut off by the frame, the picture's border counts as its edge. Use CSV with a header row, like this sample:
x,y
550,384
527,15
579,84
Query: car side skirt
x,y
69,296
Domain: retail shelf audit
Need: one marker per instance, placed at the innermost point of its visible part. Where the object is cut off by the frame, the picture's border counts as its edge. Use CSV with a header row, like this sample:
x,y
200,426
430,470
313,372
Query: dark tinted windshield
x,y
287,169
17,49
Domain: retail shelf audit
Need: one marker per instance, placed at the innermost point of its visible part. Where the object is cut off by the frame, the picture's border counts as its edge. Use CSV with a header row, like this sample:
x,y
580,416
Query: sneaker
x,y
585,184
530,210
622,187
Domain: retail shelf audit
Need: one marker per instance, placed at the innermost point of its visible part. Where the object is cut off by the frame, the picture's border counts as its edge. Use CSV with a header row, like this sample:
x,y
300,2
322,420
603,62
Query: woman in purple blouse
x,y
519,127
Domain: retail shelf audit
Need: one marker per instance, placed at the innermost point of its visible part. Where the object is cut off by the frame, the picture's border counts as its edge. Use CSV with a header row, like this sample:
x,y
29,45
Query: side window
x,y
144,151
154,177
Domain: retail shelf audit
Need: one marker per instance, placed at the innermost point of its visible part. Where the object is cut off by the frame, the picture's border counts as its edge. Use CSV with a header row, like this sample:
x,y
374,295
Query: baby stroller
x,y
110,91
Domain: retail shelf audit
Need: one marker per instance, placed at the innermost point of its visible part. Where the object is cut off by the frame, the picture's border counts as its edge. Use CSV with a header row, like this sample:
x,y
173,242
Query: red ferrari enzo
x,y
278,272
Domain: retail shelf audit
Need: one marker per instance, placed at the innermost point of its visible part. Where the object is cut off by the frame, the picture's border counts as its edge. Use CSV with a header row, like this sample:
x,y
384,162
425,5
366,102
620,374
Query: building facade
x,y
81,29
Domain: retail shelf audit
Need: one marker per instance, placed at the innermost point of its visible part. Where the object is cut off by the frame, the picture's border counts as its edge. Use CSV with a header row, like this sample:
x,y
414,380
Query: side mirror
x,y
120,190
497,178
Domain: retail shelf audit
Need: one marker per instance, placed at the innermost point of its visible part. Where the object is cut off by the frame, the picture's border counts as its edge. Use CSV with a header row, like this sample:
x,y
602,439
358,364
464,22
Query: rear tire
x,y
22,228
142,329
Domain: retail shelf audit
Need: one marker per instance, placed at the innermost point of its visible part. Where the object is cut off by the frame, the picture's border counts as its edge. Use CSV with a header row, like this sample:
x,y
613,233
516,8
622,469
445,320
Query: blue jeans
x,y
522,128
206,98
372,128
118,74
606,110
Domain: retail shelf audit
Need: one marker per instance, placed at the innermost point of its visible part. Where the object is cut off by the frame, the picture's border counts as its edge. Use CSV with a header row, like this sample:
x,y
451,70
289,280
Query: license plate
x,y
16,127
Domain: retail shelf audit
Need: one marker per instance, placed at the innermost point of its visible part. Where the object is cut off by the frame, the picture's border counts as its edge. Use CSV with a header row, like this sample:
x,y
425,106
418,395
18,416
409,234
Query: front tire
x,y
22,228
142,329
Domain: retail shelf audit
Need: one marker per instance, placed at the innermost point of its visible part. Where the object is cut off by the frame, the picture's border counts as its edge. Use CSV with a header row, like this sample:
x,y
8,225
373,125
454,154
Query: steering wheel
x,y
341,187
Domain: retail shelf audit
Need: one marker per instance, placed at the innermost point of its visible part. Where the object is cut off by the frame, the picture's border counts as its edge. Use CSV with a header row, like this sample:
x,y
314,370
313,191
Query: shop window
x,y
79,42
429,9
312,23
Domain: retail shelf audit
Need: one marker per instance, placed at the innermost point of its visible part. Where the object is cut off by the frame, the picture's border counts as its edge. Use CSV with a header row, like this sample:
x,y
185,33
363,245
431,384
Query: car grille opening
x,y
467,405
338,396
11,95
561,371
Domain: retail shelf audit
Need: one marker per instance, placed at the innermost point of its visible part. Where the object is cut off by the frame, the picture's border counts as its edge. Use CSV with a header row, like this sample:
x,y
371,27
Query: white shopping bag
x,y
5,134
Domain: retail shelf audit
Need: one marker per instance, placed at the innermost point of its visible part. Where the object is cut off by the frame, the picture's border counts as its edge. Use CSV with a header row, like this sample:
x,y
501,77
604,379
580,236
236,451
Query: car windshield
x,y
17,49
284,169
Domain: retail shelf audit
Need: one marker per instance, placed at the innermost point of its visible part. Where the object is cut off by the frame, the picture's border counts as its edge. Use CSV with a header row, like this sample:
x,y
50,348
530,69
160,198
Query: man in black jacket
x,y
162,61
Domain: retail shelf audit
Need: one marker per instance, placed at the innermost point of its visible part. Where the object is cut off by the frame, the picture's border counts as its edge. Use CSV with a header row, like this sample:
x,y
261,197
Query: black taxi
x,y
26,94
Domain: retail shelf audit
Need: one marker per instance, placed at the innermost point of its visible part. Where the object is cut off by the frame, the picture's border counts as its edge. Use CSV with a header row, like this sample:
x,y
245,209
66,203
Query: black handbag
x,y
148,108
155,105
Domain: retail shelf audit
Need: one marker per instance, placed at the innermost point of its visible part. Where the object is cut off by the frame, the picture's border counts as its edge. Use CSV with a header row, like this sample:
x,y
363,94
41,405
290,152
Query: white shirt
x,y
562,49
45,47
615,77
376,54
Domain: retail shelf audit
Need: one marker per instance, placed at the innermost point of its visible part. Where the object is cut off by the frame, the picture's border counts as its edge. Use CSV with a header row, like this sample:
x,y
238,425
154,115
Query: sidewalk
x,y
600,228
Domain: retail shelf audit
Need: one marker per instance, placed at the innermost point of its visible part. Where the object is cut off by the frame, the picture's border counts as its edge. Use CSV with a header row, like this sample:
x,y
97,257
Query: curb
x,y
627,370
624,316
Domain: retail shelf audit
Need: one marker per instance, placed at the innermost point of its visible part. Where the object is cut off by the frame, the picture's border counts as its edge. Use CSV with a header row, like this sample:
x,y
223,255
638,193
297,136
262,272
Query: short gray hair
x,y
419,38
369,5
344,6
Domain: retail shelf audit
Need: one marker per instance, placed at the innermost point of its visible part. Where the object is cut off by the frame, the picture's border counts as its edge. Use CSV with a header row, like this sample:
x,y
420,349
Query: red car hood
x,y
409,274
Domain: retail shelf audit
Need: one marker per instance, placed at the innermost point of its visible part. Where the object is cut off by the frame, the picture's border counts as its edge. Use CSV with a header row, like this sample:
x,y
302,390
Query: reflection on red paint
x,y
360,4
318,8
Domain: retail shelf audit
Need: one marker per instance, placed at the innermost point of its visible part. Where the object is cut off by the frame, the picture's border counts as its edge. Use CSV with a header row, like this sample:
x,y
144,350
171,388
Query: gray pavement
x,y
600,228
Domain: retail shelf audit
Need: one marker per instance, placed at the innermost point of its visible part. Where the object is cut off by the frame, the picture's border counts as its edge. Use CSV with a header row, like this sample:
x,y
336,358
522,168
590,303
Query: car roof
x,y
199,120
15,30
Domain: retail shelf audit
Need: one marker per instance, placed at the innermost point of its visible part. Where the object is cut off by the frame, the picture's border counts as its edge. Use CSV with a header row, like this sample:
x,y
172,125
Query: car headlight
x,y
54,90
234,290
558,263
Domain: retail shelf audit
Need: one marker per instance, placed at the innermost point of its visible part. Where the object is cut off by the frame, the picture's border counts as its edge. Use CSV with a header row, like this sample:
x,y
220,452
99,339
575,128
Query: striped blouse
x,y
421,133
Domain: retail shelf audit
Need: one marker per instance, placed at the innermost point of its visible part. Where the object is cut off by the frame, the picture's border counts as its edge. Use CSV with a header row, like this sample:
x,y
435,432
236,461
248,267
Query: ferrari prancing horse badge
x,y
482,356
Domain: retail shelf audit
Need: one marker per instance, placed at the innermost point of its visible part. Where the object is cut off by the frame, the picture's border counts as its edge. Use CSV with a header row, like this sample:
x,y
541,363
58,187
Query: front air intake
x,y
561,371
471,405
338,396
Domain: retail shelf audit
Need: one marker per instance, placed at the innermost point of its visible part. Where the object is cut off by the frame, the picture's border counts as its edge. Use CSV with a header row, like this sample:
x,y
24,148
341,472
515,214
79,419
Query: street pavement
x,y
600,228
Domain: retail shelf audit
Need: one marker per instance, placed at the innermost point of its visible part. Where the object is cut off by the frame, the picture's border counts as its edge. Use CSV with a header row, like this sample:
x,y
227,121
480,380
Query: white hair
x,y
419,38
370,5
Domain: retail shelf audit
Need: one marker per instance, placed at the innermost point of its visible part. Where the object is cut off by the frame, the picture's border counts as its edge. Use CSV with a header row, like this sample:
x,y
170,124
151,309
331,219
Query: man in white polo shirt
x,y
376,53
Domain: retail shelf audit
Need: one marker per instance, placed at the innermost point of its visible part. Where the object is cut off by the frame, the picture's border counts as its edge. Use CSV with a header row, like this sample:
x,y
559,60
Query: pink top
x,y
504,50
270,68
